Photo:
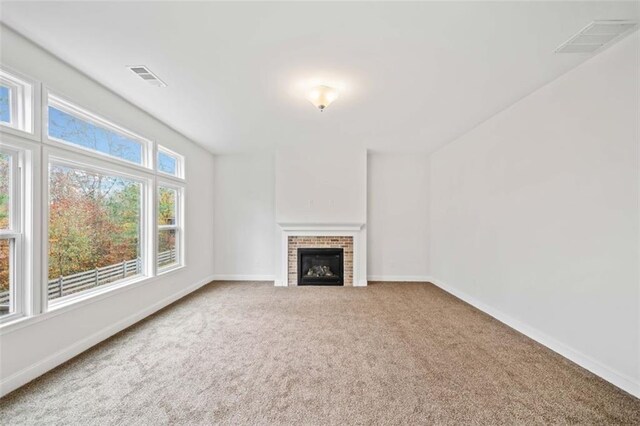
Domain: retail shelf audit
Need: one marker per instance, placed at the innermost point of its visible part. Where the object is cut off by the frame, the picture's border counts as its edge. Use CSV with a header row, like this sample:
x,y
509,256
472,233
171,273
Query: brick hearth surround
x,y
296,242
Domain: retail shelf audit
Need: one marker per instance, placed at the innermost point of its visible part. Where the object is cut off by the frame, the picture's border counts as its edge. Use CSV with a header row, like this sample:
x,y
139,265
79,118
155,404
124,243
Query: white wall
x,y
321,185
244,215
398,217
396,209
534,215
36,346
324,184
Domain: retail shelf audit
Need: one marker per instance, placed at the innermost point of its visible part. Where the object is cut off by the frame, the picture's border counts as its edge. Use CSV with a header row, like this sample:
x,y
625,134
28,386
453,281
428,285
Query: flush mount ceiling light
x,y
322,96
597,35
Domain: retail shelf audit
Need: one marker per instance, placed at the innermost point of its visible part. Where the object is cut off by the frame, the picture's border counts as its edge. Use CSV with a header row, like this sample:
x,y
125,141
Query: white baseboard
x,y
400,278
624,382
280,283
222,277
27,374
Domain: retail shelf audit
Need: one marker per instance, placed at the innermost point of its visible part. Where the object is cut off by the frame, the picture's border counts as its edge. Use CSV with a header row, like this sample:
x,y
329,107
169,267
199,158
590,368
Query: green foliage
x,y
5,173
166,206
4,211
93,221
4,265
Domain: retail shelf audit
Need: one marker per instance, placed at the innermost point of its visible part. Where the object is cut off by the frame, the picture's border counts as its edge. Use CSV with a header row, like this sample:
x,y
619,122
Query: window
x,y
16,102
72,125
95,223
5,105
10,234
95,191
168,227
169,162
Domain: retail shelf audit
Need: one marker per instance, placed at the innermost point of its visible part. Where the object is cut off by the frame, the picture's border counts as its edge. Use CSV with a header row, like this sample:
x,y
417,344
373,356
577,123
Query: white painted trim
x,y
400,278
321,227
63,104
620,380
27,374
179,176
26,106
236,277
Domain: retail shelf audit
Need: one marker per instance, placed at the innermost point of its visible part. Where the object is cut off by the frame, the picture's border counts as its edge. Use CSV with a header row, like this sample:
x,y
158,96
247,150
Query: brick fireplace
x,y
347,240
296,242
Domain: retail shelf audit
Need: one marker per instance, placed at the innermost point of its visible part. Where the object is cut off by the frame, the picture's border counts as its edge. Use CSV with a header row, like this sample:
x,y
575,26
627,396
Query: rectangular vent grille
x,y
144,73
596,35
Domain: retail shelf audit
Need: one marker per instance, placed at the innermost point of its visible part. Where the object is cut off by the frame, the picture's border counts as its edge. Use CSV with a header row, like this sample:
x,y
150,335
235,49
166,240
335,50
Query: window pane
x,y
167,164
5,191
5,277
167,203
5,104
167,247
85,134
94,229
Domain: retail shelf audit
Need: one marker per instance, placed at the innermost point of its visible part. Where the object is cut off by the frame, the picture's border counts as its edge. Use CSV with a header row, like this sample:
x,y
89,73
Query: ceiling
x,y
414,76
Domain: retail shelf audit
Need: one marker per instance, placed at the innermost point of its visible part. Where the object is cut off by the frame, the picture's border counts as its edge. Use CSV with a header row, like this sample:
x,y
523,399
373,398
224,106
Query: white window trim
x,y
25,114
27,321
179,176
15,233
179,226
147,253
19,97
36,150
74,109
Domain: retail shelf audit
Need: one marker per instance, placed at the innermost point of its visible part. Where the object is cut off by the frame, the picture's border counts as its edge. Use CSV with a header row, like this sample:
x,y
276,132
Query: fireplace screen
x,y
320,266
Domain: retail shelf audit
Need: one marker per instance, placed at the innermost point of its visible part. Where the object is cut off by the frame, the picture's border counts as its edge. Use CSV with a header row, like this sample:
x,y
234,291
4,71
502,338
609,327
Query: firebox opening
x,y
320,266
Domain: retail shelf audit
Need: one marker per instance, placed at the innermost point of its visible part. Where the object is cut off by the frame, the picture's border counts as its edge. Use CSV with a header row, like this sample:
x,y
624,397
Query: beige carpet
x,y
250,353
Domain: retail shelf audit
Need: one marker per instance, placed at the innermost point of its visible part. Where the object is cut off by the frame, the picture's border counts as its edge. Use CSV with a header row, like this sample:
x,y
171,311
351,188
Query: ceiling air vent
x,y
596,35
144,73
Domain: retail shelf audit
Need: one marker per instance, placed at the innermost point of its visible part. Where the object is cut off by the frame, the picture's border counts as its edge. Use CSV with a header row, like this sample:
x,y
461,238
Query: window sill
x,y
168,269
82,300
16,131
11,319
96,293
163,175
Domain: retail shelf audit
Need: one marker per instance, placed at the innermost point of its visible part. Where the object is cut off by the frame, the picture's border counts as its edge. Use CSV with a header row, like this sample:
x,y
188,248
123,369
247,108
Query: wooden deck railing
x,y
74,283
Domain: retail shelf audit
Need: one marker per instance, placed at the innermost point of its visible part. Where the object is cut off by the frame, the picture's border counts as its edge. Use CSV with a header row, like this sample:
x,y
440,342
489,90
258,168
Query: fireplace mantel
x,y
326,227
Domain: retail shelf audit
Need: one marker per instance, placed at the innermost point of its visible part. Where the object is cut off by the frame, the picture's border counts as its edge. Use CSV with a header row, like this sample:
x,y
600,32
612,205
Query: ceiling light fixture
x,y
322,96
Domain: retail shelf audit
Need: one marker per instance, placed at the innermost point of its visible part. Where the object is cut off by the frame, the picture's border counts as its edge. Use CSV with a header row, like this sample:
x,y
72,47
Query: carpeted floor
x,y
250,353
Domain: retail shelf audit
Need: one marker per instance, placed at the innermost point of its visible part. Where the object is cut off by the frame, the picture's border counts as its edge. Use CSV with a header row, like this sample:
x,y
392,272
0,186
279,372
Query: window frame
x,y
178,226
15,234
25,99
14,99
63,104
36,151
66,158
179,163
